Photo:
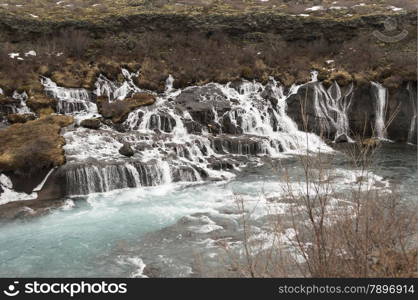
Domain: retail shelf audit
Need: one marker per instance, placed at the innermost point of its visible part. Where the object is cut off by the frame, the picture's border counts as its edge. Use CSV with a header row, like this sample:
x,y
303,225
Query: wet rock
x,y
118,110
221,164
27,209
20,118
163,122
243,145
342,138
126,150
230,127
402,105
203,103
91,123
214,128
193,126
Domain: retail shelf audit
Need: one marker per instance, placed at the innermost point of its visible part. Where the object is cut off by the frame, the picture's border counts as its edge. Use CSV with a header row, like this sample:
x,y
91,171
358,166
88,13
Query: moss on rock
x,y
39,102
33,146
20,118
118,110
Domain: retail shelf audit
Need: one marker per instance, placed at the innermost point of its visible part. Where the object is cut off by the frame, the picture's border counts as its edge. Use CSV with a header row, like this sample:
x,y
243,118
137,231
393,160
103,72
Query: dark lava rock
x,y
342,138
27,209
91,123
203,102
126,150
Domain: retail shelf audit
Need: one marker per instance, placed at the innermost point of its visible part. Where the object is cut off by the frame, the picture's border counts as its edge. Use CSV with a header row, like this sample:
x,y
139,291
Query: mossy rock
x,y
20,118
38,102
343,78
91,123
33,146
118,110
7,100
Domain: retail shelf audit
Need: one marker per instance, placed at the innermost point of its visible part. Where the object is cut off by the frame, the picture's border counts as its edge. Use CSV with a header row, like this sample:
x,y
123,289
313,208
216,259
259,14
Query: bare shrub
x,y
74,42
367,230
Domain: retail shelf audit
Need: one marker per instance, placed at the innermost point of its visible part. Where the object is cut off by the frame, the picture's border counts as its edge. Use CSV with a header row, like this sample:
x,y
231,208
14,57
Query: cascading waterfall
x,y
380,96
69,100
22,97
412,134
332,107
193,134
115,91
88,179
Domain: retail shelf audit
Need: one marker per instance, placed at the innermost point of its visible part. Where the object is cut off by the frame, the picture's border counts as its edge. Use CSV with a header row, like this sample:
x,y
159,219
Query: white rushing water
x,y
380,94
332,107
412,134
69,100
188,135
97,235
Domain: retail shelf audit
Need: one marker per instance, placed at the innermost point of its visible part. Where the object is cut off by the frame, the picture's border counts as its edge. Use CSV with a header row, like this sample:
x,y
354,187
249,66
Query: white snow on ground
x,y
14,55
315,8
394,8
30,53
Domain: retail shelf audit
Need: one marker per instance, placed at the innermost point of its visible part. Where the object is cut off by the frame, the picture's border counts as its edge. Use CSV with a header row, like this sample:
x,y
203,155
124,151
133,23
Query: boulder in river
x,y
126,150
90,123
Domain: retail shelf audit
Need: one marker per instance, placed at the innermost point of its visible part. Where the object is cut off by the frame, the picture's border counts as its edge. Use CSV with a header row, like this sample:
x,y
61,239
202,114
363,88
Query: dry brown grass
x,y
33,146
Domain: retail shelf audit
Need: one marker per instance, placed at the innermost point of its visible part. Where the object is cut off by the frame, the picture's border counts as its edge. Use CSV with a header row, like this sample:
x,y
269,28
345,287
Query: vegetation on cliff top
x,y
94,10
324,35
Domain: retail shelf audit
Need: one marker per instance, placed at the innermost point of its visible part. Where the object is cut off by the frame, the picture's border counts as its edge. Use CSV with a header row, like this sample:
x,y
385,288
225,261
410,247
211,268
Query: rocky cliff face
x,y
291,27
354,111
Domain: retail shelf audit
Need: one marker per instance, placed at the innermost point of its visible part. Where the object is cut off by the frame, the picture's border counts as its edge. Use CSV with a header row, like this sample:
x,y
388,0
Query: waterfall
x,y
412,133
380,96
69,100
22,97
331,107
169,84
191,134
86,179
114,90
